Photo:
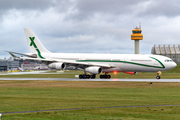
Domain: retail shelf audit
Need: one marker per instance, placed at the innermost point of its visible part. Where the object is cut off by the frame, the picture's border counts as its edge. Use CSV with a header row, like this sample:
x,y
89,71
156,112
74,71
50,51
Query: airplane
x,y
94,63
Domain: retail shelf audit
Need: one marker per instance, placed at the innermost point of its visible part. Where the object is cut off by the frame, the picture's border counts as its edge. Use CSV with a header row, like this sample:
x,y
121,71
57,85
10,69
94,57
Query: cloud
x,y
90,26
156,8
87,9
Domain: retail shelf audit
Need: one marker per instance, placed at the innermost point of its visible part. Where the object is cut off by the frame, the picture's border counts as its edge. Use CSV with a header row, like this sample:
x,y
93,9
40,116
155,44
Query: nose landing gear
x,y
158,75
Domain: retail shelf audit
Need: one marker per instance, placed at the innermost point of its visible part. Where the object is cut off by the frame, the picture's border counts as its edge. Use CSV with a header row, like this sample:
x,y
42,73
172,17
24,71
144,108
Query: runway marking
x,y
113,79
72,109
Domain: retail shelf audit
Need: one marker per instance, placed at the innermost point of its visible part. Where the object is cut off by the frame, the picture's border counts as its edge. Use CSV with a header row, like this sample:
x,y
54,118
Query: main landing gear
x,y
158,75
105,76
85,76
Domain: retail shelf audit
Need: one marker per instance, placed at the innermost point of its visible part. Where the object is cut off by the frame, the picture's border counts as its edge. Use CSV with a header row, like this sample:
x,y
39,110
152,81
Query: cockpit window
x,y
168,61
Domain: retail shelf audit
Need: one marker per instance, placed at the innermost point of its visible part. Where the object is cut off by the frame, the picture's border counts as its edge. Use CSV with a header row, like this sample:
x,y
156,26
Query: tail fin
x,y
34,43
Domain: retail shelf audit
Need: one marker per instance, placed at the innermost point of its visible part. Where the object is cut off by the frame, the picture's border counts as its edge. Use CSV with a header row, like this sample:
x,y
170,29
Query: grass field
x,y
47,95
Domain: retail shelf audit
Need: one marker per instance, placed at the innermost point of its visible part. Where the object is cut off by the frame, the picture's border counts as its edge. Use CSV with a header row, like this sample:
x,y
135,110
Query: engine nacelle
x,y
93,70
58,66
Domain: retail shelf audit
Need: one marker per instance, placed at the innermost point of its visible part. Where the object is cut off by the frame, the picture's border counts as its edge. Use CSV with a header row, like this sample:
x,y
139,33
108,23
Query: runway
x,y
110,80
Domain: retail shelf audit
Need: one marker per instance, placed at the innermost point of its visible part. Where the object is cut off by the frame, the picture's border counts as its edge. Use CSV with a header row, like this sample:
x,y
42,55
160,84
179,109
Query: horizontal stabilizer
x,y
31,55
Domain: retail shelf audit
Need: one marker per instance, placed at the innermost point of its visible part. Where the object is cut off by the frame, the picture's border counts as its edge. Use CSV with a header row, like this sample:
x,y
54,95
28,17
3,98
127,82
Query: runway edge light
x,y
136,36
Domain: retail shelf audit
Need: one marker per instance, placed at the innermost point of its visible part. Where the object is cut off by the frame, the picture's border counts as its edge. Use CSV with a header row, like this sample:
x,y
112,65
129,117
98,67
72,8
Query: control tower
x,y
136,36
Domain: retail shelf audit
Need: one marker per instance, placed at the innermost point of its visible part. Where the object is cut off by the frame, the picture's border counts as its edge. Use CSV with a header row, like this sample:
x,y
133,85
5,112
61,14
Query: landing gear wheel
x,y
108,76
84,76
158,77
87,76
81,76
105,76
93,76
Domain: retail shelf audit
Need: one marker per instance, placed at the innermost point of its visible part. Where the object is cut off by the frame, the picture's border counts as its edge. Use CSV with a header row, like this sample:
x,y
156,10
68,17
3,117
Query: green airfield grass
x,y
46,95
163,113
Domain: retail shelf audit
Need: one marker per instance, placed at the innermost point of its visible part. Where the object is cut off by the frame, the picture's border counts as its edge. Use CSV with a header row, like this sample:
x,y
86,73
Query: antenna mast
x,y
139,25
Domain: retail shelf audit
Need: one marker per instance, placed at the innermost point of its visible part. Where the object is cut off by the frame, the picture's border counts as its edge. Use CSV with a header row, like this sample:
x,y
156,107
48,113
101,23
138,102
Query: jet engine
x,y
58,66
93,70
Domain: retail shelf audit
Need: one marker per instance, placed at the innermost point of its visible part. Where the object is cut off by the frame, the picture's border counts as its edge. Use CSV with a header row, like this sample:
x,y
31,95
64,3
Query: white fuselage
x,y
120,62
96,63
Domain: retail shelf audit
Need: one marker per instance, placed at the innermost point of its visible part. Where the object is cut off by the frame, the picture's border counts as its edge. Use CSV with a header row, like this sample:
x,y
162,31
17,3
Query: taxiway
x,y
111,80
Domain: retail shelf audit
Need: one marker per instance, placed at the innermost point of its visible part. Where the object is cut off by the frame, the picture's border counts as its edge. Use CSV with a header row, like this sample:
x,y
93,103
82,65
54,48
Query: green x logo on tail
x,y
32,42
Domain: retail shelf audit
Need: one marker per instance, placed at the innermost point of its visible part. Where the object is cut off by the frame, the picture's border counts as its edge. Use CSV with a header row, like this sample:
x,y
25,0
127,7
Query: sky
x,y
88,26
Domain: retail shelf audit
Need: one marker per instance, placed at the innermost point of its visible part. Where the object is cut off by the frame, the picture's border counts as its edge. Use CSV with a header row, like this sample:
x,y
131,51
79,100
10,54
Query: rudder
x,y
34,43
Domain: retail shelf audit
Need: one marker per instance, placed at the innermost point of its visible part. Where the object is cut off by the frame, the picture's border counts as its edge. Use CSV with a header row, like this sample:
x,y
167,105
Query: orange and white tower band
x,y
136,36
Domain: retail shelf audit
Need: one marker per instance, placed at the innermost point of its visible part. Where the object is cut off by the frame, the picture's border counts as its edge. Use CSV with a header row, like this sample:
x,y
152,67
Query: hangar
x,y
171,51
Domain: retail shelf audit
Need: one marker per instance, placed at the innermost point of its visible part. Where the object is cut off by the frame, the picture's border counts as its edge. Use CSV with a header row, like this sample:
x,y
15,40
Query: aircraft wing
x,y
71,62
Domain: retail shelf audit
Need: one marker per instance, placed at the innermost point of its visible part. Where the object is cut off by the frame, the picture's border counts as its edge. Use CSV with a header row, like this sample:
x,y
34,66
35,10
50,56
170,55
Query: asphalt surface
x,y
77,79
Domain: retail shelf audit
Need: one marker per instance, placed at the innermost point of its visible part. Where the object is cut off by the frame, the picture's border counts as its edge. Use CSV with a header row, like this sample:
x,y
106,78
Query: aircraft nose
x,y
172,65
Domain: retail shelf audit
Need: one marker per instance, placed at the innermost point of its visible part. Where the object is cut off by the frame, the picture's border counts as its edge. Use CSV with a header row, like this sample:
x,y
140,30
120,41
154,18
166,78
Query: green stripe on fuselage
x,y
158,61
124,62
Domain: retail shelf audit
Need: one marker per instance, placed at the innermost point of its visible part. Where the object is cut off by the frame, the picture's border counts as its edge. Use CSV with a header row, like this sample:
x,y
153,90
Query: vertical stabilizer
x,y
34,43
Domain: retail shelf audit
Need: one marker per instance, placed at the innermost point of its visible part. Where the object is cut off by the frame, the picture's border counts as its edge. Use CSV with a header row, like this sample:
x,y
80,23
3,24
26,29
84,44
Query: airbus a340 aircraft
x,y
95,63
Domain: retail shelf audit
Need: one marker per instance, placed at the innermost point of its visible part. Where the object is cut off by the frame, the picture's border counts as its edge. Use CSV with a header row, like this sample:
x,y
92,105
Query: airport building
x,y
20,64
171,51
8,64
